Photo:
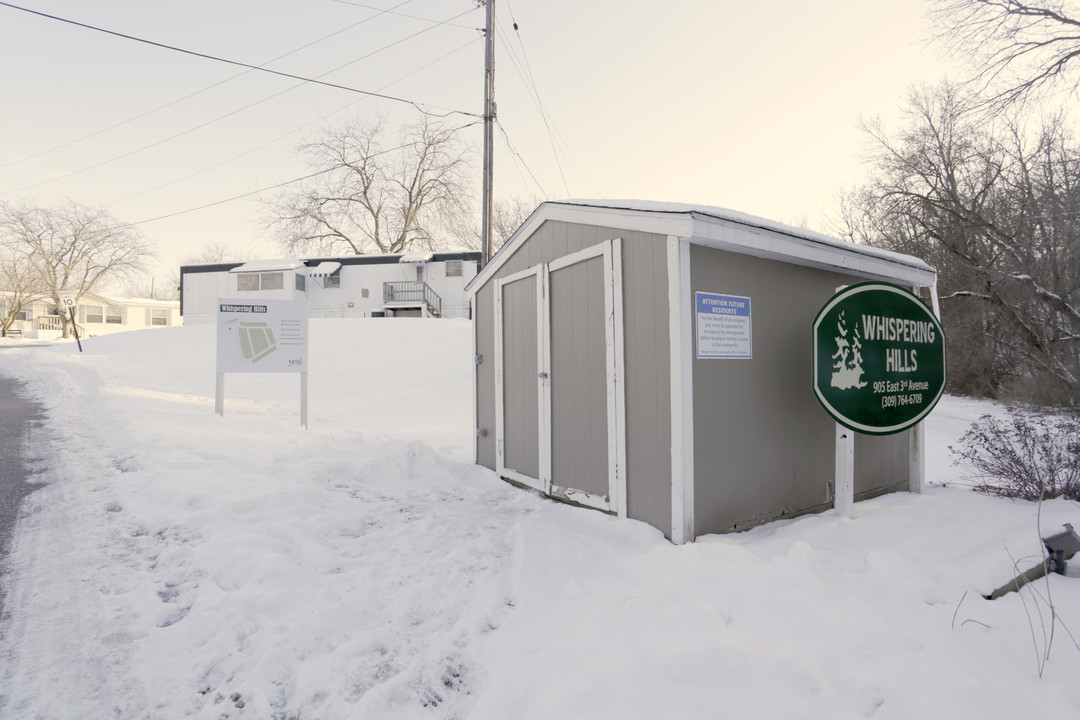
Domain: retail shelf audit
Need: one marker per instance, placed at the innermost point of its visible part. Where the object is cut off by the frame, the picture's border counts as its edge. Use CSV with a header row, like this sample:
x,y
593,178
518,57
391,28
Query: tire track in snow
x,y
67,657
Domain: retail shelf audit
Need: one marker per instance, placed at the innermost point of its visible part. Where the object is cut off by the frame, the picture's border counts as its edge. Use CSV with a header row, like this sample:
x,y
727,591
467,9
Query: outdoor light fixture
x,y
1060,547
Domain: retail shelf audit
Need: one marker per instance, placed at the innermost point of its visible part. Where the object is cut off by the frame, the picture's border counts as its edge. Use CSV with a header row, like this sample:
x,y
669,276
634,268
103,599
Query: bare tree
x,y
214,252
370,195
19,286
508,217
463,227
71,249
996,209
210,253
1022,48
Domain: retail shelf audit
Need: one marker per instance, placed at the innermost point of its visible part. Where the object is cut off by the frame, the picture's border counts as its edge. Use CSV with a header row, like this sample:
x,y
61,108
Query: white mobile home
x,y
423,284
595,382
94,315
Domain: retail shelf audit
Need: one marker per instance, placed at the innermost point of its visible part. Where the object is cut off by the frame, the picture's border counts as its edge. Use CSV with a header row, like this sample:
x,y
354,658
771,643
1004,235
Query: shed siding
x,y
647,364
648,380
579,422
521,402
763,446
881,463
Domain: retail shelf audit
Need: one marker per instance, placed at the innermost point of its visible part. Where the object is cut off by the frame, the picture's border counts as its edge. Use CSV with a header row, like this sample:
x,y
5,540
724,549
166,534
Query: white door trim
x,y
611,252
539,483
615,501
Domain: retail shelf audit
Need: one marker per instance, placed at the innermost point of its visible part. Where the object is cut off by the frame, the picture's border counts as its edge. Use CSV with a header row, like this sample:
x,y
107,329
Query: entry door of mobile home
x,y
559,395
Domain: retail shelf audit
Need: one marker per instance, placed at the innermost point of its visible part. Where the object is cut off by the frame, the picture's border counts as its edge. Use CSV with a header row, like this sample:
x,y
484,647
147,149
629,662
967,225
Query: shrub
x,y
1028,456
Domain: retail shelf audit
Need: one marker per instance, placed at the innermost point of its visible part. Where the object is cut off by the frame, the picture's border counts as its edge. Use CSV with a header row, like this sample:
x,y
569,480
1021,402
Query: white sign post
x,y
268,336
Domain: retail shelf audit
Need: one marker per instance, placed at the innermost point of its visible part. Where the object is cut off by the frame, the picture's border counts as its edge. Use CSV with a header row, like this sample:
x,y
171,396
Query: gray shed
x,y
596,383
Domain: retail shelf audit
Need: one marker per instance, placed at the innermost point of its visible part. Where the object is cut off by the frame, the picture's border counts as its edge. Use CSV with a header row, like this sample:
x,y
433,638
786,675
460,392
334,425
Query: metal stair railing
x,y
412,291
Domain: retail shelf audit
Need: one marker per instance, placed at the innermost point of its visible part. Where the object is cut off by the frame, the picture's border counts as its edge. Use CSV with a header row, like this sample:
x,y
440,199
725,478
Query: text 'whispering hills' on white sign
x,y
262,336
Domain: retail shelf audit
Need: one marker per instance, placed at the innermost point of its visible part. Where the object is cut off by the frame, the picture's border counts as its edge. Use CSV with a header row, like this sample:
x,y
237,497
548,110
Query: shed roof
x,y
712,226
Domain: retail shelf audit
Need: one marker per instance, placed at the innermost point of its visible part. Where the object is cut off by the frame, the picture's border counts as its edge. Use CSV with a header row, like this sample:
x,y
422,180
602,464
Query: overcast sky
x,y
752,107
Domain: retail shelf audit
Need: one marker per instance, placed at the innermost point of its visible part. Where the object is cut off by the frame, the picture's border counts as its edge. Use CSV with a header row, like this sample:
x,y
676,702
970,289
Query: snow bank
x,y
175,563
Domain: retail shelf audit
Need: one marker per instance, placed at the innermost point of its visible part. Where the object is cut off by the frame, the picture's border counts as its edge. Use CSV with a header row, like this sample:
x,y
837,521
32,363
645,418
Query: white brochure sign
x,y
723,326
262,336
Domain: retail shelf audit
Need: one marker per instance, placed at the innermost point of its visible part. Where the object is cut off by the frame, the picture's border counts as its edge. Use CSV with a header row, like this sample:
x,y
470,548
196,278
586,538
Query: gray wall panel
x,y
763,446
648,379
881,463
579,424
521,406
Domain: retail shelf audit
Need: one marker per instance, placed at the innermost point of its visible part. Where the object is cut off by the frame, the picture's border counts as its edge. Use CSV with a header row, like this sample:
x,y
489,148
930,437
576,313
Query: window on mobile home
x,y
261,281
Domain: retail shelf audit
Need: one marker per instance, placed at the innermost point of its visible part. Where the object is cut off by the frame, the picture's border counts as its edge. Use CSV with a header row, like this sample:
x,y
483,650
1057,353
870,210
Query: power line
x,y
278,185
521,160
555,138
281,137
239,110
237,63
198,92
534,95
391,12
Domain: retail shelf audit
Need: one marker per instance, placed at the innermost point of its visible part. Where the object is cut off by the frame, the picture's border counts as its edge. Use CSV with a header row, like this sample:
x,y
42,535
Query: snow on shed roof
x,y
709,225
741,218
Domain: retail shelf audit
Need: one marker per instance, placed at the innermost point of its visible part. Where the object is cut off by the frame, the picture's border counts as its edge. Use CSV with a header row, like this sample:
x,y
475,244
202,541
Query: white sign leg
x,y
844,498
219,396
917,467
303,400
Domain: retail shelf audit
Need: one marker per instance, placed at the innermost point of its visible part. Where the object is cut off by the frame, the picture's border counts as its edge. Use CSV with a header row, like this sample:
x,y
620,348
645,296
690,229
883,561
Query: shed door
x,y
568,316
518,397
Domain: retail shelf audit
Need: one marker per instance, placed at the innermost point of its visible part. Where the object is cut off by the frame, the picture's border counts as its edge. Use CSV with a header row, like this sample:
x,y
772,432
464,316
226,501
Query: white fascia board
x,y
871,263
649,221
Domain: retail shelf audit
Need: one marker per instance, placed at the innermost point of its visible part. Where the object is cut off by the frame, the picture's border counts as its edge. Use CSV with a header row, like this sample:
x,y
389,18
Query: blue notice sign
x,y
723,326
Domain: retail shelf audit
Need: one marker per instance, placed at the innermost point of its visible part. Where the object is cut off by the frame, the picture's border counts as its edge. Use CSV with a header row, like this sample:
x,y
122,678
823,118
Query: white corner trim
x,y
617,383
681,349
543,365
471,304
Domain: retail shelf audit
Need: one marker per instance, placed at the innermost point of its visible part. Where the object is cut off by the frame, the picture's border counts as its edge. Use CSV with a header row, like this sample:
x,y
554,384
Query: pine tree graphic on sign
x,y
847,370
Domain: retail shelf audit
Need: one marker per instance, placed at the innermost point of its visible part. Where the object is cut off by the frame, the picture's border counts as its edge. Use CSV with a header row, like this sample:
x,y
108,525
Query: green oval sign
x,y
878,358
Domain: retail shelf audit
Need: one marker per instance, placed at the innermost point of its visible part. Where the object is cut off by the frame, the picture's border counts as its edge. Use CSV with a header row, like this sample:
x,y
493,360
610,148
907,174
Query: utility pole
x,y
489,132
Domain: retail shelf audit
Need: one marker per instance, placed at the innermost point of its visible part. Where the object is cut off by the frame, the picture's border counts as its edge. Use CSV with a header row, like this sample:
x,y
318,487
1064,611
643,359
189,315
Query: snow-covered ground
x,y
177,564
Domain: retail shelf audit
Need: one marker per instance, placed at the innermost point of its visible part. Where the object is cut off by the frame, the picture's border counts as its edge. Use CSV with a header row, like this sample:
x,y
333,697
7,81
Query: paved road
x,y
18,418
